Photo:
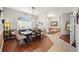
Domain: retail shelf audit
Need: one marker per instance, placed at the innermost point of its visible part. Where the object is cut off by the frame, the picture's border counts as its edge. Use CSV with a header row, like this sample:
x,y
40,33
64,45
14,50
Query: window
x,y
24,22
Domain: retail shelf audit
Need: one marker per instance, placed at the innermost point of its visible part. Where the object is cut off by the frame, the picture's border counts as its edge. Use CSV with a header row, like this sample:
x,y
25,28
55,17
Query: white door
x,y
72,29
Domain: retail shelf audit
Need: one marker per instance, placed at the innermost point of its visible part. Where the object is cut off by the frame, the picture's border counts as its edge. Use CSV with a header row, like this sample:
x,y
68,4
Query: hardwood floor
x,y
39,45
66,38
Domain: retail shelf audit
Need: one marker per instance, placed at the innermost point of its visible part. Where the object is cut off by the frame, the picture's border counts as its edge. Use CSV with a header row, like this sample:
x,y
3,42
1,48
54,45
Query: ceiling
x,y
54,10
46,10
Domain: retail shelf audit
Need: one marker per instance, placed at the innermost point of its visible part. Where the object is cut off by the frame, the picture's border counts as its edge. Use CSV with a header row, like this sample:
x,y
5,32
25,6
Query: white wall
x,y
28,10
77,37
64,17
12,16
43,19
1,26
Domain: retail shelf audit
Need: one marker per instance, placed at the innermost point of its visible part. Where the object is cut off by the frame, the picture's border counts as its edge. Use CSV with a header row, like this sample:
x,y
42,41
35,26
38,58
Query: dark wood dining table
x,y
27,33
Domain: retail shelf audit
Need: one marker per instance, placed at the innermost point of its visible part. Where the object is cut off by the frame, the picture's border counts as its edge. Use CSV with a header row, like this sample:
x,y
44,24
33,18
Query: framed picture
x,y
67,26
54,23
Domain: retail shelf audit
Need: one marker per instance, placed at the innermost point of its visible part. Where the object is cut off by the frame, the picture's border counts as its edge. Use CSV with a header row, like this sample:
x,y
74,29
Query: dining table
x,y
26,32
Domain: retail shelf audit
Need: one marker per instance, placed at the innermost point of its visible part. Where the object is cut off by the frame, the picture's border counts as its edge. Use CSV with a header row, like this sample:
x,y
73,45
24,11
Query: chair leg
x,y
18,42
30,39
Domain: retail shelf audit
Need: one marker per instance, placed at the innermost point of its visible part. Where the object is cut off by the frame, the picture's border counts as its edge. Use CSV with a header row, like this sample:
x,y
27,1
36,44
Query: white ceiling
x,y
46,10
54,10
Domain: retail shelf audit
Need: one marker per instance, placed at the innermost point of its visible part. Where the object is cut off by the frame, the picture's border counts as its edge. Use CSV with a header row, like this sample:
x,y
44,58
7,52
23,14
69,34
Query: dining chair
x,y
33,35
19,37
28,38
38,34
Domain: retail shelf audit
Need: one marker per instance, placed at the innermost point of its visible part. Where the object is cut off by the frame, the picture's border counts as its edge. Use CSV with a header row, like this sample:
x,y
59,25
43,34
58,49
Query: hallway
x,y
60,45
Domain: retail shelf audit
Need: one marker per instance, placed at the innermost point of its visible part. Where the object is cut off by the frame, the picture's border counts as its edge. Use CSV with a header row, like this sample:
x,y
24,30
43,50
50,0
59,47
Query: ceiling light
x,y
51,15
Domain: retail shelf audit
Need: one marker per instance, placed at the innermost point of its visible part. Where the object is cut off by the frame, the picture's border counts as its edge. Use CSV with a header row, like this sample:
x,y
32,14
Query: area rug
x,y
66,38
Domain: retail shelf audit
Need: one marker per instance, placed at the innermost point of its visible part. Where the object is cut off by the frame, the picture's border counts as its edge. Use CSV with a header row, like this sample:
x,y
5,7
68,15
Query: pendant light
x,y
33,8
33,16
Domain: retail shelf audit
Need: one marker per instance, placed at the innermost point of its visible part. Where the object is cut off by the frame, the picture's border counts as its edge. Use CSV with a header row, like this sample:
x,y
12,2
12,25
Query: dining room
x,y
36,29
21,32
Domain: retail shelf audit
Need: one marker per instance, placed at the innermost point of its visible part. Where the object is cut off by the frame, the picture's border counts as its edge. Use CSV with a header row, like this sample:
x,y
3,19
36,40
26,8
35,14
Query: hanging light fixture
x,y
33,16
33,8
